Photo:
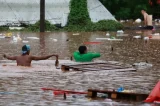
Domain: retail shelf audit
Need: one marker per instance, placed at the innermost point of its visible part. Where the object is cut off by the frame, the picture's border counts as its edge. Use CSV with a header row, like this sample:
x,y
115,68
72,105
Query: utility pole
x,y
42,15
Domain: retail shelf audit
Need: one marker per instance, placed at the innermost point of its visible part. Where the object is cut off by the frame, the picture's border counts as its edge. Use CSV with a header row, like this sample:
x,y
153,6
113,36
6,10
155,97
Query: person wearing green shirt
x,y
83,56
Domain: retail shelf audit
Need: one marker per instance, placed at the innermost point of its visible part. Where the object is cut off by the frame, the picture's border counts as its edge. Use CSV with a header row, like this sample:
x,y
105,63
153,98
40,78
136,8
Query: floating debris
x,y
137,37
107,34
138,20
122,21
14,39
55,40
8,93
108,100
110,39
115,39
102,38
76,34
18,37
33,38
1,37
122,34
120,89
8,35
146,38
156,34
120,31
142,65
25,41
102,95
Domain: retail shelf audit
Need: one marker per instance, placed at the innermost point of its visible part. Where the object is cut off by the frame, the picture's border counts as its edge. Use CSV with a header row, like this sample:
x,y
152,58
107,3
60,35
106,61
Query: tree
x,y
126,9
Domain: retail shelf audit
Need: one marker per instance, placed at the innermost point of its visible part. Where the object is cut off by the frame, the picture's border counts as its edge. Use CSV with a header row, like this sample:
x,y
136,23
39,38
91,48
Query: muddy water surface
x,y
20,86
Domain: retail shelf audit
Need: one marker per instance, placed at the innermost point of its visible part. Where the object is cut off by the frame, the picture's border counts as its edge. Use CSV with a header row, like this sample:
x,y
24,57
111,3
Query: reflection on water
x,y
26,82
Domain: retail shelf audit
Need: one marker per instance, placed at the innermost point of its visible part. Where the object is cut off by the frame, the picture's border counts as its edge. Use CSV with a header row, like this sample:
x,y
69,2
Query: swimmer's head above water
x,y
82,49
26,49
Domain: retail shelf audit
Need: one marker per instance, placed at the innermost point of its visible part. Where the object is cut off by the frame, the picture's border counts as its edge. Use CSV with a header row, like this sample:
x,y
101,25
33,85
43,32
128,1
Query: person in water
x,y
25,59
147,20
83,56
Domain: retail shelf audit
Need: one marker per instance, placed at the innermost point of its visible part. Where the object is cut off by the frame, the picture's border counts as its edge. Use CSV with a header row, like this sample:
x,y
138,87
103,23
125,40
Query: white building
x,y
28,11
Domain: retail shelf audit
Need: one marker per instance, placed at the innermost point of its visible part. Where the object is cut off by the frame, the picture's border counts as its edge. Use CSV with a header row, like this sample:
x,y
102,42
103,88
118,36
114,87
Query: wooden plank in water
x,y
99,67
96,67
119,70
118,95
66,68
92,63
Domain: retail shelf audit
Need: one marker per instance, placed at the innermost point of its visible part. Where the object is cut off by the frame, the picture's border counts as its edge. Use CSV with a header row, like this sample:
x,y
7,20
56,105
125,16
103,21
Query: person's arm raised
x,y
43,57
10,57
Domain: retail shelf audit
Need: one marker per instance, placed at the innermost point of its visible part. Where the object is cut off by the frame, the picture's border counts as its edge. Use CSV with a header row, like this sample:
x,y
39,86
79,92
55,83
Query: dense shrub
x,y
137,10
79,19
3,28
105,25
123,13
35,27
78,13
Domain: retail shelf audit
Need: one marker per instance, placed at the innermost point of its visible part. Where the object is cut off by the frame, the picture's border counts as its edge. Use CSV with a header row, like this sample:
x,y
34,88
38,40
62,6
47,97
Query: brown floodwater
x,y
21,86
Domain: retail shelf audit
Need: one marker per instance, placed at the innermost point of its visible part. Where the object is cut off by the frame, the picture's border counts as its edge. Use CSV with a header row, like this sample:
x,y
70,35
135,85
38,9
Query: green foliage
x,y
123,13
103,25
127,9
35,27
137,10
78,13
79,19
3,28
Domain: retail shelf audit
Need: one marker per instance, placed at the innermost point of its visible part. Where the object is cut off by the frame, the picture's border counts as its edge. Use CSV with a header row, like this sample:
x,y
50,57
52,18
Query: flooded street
x,y
21,86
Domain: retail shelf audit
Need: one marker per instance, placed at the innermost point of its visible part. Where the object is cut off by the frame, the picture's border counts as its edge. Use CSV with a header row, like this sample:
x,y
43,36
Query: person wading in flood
x,y
84,56
147,20
25,59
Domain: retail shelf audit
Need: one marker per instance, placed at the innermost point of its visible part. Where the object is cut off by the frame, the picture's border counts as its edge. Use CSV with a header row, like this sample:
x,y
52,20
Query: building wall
x,y
28,11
